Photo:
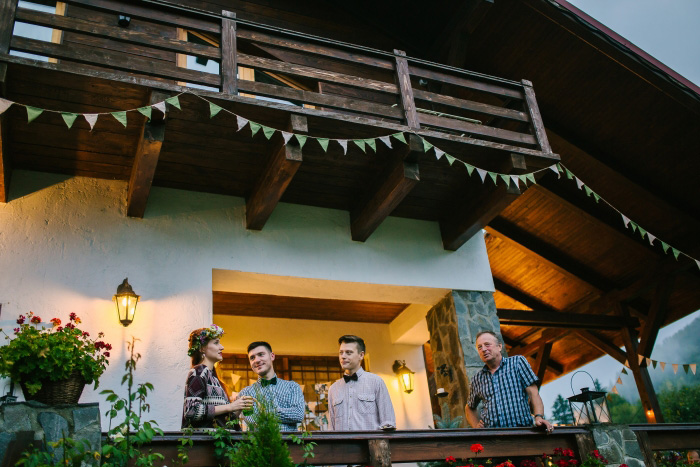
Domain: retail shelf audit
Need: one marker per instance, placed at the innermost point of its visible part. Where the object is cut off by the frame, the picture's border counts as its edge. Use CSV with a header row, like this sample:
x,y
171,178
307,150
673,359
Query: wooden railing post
x,y
403,81
379,453
535,117
229,57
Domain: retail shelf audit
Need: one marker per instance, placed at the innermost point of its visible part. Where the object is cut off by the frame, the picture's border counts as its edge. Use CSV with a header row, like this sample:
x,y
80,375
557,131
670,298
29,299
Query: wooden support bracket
x,y
650,403
657,315
281,167
146,160
394,184
542,360
379,453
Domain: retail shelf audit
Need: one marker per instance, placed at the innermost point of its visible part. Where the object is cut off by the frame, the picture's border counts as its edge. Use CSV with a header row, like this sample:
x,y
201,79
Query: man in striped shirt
x,y
359,401
504,385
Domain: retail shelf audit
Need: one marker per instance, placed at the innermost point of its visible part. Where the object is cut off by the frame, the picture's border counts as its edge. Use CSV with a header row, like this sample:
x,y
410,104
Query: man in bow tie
x,y
359,400
286,396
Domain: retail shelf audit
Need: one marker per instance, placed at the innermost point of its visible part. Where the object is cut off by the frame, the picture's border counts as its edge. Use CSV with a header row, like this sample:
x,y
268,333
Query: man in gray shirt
x,y
359,401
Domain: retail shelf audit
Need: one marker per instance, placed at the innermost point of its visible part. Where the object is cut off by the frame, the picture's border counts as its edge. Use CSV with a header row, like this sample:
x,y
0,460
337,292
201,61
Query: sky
x,y
668,30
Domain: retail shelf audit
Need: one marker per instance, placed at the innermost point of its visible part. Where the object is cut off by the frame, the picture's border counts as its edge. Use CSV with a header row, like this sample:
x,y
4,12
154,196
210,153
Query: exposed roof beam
x,y
602,344
548,319
554,366
524,298
464,19
657,316
548,336
543,354
397,181
283,163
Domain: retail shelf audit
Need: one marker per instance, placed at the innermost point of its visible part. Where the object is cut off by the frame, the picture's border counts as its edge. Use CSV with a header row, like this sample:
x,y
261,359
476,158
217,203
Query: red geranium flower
x,y
36,320
450,459
73,316
476,448
623,465
56,322
562,463
86,334
21,319
558,451
573,462
106,354
59,329
569,452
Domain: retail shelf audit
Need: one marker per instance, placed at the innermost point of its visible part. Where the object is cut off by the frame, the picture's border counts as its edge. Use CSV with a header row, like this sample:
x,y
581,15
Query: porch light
x,y
126,301
405,375
589,406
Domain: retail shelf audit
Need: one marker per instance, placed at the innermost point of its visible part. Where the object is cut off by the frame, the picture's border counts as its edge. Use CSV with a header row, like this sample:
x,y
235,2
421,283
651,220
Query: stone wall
x,y
618,444
454,323
50,424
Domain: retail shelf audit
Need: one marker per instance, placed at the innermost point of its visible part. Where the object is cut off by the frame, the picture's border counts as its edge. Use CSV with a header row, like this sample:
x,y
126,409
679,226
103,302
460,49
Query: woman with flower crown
x,y
207,403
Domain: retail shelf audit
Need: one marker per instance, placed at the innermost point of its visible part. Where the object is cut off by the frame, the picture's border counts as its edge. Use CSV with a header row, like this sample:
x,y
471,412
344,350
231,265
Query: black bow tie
x,y
267,382
348,378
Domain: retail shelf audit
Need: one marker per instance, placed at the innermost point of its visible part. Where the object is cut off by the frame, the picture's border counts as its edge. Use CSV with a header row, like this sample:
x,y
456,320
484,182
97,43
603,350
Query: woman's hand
x,y
242,403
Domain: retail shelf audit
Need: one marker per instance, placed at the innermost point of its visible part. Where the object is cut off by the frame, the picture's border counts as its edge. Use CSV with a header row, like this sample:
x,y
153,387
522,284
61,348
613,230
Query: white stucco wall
x,y
65,245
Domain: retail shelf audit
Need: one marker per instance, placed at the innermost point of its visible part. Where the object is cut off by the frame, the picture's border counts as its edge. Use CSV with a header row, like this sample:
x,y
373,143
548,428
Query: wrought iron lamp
x,y
589,406
126,301
405,375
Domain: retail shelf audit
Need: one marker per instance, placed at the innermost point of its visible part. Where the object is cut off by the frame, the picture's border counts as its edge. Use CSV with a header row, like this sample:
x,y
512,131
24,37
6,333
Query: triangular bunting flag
x,y
588,191
641,358
686,367
665,246
523,179
372,144
33,113
241,122
286,136
470,168
569,175
531,177
174,101
4,105
579,183
625,219
596,197
439,153
634,226
698,263
146,111
642,232
494,177
675,368
624,371
614,389
515,179
619,380
663,366
450,159
651,238
268,132
214,109
91,119
482,173
627,363
360,143
386,140
654,363
301,139
505,178
693,367
254,128
69,118
554,169
426,145
401,137
120,117
648,361
160,106
676,253
324,143
344,144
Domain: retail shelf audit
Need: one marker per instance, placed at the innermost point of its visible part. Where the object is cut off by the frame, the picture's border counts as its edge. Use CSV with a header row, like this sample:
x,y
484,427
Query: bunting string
x,y
366,145
687,367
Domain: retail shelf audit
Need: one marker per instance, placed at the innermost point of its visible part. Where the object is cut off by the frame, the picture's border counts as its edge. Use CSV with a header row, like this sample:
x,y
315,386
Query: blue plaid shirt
x,y
503,393
287,398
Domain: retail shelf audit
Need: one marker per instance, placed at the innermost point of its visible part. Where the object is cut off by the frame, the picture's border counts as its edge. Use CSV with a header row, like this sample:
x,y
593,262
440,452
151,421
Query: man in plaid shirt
x,y
286,396
504,385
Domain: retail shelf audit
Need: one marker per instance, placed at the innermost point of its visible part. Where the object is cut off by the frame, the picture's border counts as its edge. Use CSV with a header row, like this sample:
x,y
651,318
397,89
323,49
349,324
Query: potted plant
x,y
53,364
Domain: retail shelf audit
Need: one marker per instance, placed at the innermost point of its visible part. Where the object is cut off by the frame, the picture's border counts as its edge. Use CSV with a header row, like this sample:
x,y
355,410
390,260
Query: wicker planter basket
x,y
65,391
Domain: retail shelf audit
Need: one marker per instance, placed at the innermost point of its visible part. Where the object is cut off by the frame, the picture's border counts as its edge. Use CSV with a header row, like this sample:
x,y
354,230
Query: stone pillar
x,y
618,444
453,324
49,424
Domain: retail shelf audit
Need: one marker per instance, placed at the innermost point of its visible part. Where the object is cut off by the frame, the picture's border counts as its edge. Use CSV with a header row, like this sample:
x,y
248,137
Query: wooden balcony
x,y
285,80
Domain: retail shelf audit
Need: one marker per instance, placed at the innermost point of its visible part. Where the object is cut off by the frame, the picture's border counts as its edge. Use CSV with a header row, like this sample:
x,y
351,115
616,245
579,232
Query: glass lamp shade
x,y
589,407
125,299
405,376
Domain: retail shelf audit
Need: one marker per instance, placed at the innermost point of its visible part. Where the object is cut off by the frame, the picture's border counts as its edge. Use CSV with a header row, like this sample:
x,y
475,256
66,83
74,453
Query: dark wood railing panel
x,y
670,436
514,92
472,106
491,133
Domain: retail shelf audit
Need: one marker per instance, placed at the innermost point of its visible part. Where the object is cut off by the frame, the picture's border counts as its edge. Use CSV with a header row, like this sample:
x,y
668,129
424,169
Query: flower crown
x,y
207,334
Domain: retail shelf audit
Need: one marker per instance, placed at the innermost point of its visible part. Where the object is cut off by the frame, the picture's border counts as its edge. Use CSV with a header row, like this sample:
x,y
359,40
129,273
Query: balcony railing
x,y
322,74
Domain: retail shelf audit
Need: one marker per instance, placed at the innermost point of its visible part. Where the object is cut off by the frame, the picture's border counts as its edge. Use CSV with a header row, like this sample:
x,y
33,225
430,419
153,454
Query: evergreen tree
x,y
561,412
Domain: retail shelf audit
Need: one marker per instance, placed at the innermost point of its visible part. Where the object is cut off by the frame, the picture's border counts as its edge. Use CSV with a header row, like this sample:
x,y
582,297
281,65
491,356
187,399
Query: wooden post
x,y
403,81
379,453
585,444
535,117
645,446
650,403
229,53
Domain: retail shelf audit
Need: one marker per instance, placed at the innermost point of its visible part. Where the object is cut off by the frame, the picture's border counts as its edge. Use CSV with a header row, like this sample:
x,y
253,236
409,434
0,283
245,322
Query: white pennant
x,y
675,368
241,122
648,361
286,136
91,119
651,238
438,153
698,263
625,219
4,105
555,170
641,358
344,144
160,106
482,174
579,183
663,366
693,367
386,140
515,180
614,389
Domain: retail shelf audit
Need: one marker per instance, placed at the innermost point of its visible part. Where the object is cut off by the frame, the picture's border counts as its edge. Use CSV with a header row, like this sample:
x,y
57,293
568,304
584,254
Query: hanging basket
x,y
65,391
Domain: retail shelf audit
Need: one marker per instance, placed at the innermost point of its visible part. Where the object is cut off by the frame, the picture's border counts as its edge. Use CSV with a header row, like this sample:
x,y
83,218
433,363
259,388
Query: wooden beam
x,y
548,336
229,53
146,160
657,315
549,319
5,156
602,344
650,403
281,167
543,354
554,366
535,117
403,82
392,187
521,296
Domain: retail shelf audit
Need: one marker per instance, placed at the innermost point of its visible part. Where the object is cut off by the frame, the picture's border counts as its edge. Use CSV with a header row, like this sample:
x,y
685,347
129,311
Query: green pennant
x,y
372,144
120,116
531,177
569,175
505,178
213,109
596,197
665,246
450,159
634,226
494,177
254,128
324,143
301,139
268,132
33,113
174,101
470,168
559,167
146,111
676,253
401,137
642,232
588,191
624,371
523,179
654,363
360,143
426,145
686,367
69,118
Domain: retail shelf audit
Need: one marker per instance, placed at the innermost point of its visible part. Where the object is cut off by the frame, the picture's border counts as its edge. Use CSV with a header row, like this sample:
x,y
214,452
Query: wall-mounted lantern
x,y
405,375
589,406
126,301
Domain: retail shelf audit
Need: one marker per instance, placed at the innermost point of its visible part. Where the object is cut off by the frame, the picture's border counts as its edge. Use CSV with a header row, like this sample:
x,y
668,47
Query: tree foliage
x,y
561,412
